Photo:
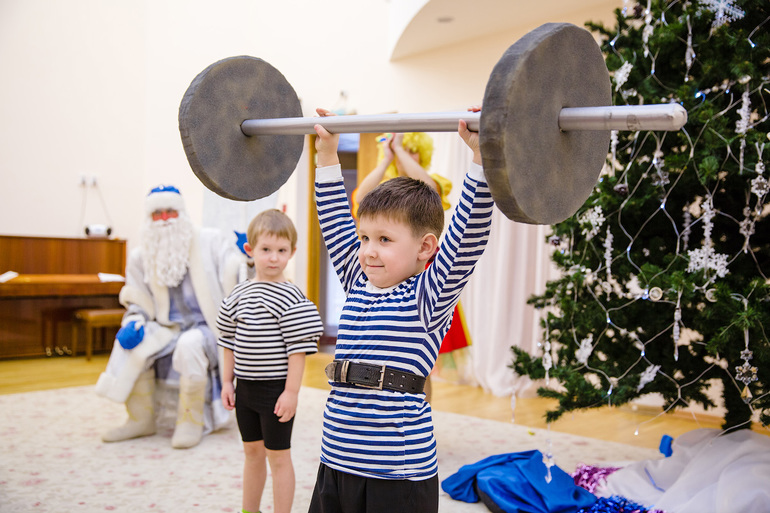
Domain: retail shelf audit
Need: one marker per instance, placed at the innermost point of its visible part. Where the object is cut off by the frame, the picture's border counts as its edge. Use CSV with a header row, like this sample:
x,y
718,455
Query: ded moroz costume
x,y
174,284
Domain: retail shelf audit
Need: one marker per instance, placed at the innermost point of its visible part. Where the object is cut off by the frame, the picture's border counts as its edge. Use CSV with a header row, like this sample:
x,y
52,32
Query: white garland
x,y
689,54
759,185
746,228
595,217
647,376
621,75
585,349
742,125
708,214
687,220
647,31
608,253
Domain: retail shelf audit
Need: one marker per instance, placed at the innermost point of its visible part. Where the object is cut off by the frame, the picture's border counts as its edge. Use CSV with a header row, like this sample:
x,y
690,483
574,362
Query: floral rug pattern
x,y
52,458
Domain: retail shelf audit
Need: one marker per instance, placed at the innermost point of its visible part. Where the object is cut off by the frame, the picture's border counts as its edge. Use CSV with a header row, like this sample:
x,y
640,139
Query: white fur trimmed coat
x,y
214,265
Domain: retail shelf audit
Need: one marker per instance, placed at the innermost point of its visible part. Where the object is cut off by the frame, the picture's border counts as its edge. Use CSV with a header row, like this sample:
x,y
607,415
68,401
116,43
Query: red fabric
x,y
456,337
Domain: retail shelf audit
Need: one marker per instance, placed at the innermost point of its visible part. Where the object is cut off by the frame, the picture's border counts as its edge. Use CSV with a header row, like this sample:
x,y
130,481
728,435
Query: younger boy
x,y
267,327
378,452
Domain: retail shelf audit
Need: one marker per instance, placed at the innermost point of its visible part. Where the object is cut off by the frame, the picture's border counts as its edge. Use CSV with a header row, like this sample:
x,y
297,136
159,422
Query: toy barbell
x,y
544,129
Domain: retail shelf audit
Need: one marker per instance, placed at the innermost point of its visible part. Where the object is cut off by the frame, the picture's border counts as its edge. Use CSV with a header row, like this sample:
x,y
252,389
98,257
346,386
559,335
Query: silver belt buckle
x,y
379,385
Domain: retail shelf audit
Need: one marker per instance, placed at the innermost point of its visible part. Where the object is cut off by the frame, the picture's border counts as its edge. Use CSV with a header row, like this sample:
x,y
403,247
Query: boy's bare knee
x,y
254,449
279,458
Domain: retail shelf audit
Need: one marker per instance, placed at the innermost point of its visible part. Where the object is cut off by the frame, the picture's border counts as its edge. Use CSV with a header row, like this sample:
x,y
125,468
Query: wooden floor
x,y
617,424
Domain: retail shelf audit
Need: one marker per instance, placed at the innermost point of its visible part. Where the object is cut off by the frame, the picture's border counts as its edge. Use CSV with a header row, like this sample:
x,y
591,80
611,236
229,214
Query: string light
x,y
751,43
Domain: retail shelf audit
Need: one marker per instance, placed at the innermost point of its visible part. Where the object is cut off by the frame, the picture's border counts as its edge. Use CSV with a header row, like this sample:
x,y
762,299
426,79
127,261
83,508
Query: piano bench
x,y
90,319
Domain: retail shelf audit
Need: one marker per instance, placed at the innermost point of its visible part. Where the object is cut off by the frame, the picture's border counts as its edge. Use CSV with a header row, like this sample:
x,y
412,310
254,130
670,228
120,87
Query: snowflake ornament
x,y
707,258
746,373
724,11
759,186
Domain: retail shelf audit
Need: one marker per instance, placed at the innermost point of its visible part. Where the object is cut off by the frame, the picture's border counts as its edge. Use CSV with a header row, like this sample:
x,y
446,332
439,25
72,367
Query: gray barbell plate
x,y
537,173
215,104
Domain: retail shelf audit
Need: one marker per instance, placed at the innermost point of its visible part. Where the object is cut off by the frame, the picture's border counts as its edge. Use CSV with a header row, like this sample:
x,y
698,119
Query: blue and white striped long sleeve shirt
x,y
381,433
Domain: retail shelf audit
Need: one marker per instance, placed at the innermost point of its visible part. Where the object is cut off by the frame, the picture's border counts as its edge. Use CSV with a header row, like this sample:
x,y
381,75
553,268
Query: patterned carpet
x,y
52,458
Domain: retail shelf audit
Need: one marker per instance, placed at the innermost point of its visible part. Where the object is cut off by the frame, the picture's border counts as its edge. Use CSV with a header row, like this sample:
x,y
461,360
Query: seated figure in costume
x,y
175,283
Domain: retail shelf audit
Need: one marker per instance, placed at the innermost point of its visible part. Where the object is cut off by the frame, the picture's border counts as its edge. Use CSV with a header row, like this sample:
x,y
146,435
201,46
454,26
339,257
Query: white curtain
x,y
514,266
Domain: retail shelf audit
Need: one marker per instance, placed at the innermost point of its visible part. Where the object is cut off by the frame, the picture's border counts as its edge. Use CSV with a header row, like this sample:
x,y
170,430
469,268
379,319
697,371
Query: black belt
x,y
379,377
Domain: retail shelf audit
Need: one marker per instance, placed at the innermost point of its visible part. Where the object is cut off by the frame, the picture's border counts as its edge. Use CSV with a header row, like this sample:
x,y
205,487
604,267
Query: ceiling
x,y
446,22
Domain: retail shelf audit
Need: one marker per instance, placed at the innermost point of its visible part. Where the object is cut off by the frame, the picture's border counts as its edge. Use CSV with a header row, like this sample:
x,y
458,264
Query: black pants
x,y
338,492
254,405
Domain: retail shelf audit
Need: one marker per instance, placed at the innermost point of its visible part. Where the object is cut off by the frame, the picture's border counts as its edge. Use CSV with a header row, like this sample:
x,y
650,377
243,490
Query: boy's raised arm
x,y
470,138
326,143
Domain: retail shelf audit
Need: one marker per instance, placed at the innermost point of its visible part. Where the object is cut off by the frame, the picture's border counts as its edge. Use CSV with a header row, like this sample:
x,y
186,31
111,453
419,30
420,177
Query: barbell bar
x,y
670,116
544,128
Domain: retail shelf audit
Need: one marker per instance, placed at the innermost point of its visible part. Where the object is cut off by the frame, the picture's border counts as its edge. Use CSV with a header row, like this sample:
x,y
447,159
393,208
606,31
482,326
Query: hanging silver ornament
x,y
621,188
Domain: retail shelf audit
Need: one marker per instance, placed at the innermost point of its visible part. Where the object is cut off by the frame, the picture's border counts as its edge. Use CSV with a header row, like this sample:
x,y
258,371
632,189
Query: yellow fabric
x,y
444,188
443,183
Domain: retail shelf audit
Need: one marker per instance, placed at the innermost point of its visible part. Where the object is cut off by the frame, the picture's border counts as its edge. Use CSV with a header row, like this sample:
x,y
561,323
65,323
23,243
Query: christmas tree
x,y
664,270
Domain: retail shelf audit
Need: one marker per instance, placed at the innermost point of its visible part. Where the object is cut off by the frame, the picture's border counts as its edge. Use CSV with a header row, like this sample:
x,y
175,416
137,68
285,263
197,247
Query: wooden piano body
x,y
57,276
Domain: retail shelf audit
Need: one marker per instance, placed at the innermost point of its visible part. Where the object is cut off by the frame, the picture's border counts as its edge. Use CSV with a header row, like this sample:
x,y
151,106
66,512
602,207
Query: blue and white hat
x,y
164,197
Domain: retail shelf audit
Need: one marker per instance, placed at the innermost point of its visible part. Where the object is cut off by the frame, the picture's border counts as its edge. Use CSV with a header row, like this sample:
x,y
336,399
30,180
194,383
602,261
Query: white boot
x,y
141,411
189,419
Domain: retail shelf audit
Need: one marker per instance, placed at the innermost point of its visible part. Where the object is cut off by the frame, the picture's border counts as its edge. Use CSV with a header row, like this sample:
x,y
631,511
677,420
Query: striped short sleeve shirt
x,y
265,322
380,433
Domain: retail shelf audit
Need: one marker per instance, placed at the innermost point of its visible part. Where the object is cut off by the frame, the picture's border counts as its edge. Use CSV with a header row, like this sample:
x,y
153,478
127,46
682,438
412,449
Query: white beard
x,y
166,249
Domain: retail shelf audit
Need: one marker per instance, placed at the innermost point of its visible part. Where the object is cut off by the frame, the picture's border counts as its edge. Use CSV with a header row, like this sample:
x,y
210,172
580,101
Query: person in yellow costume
x,y
406,154
410,154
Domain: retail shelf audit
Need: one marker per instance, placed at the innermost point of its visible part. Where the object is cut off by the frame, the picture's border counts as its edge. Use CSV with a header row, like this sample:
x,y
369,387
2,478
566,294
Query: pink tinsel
x,y
591,477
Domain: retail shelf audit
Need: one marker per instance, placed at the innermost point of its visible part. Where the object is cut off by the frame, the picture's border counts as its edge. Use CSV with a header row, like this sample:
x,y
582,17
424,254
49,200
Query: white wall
x,y
72,101
93,88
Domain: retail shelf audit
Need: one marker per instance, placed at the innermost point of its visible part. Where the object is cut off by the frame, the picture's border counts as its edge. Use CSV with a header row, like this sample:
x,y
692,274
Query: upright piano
x,y
56,276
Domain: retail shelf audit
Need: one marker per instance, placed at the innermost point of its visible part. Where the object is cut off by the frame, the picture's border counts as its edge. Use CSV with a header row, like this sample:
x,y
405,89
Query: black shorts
x,y
338,492
254,405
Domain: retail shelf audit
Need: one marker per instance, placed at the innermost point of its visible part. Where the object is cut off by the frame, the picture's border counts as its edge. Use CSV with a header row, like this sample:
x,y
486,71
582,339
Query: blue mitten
x,y
241,242
130,335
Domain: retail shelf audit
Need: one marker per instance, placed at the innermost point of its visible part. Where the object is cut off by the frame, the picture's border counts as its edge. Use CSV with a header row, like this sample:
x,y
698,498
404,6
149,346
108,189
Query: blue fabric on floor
x,y
516,483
